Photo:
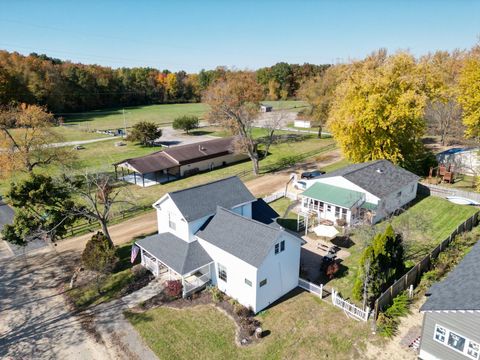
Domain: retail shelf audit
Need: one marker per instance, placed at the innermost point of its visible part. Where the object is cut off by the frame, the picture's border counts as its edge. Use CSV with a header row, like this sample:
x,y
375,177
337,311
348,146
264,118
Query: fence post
x,y
321,291
410,291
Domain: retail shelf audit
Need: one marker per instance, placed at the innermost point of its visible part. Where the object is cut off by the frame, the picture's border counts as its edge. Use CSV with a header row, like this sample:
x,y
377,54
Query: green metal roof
x,y
369,206
333,195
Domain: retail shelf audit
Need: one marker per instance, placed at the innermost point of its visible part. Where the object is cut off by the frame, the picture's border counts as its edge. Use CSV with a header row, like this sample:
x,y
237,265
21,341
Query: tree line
x,y
383,106
64,86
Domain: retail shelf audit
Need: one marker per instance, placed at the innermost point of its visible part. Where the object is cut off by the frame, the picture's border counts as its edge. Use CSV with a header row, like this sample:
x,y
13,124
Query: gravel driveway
x,y
35,321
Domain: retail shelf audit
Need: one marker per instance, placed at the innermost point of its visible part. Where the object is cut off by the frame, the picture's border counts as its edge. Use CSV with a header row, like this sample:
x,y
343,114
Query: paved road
x,y
35,321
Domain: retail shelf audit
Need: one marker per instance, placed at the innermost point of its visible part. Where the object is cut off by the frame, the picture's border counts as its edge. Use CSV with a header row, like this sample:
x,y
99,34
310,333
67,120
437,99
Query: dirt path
x,y
270,183
35,320
397,348
120,233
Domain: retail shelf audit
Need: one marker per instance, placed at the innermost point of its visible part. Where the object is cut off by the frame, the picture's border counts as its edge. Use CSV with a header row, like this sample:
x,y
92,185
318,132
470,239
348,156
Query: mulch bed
x,y
245,320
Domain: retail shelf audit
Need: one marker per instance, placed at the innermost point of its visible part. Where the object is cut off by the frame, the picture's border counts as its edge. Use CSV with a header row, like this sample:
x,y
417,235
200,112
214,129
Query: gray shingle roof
x,y
202,200
181,256
379,177
247,239
460,290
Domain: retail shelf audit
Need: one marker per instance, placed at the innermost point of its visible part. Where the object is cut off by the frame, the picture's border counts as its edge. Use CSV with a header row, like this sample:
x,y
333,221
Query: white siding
x,y
237,271
281,271
212,163
396,200
167,211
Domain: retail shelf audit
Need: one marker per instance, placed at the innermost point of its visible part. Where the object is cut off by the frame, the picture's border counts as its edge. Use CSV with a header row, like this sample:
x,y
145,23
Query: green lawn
x,y
289,220
301,327
424,226
161,114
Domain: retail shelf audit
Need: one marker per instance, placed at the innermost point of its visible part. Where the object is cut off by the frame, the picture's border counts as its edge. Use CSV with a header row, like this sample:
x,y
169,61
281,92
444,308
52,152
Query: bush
x,y
217,295
387,327
99,254
173,288
388,320
186,123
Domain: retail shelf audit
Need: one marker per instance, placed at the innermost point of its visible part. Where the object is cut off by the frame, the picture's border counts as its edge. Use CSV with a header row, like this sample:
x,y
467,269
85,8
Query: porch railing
x,y
193,284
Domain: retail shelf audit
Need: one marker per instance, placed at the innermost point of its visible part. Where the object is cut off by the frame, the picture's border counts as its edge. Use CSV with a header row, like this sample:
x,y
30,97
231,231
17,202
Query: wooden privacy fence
x,y
413,276
311,287
349,308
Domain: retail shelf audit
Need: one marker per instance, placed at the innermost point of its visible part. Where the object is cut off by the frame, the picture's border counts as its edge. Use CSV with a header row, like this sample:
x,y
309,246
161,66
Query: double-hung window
x,y
279,247
222,272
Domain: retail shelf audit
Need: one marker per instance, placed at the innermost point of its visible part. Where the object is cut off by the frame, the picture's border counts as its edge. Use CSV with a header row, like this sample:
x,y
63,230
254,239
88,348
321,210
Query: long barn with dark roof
x,y
179,161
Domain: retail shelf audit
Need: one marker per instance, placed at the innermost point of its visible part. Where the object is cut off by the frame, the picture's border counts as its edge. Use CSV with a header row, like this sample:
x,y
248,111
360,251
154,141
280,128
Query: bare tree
x,y
272,123
234,104
99,197
444,119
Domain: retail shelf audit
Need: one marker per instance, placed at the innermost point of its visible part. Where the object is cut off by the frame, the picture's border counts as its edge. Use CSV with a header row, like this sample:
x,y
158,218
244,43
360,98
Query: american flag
x,y
134,253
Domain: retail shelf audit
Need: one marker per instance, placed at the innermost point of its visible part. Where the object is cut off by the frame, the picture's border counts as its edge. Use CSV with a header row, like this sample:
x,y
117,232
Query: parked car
x,y
312,174
300,185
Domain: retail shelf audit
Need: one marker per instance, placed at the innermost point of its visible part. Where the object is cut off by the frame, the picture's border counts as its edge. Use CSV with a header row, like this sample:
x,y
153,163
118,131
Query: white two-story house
x,y
219,233
366,191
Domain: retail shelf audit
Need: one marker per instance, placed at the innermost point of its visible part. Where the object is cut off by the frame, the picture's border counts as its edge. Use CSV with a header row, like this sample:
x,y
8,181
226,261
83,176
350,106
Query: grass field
x,y
162,114
424,226
301,327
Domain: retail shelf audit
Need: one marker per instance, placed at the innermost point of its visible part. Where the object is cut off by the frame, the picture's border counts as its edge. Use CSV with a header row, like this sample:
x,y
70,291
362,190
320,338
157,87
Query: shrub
x,y
400,305
387,327
388,320
173,288
186,123
217,295
99,254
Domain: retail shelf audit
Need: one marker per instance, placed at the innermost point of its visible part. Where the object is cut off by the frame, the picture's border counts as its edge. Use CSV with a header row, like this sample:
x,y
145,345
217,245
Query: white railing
x,y
150,264
291,196
310,287
349,308
275,196
190,285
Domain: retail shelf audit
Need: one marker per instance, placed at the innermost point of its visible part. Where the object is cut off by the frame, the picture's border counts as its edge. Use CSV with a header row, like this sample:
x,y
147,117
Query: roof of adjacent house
x,y
247,239
181,155
333,195
179,255
461,288
202,200
379,177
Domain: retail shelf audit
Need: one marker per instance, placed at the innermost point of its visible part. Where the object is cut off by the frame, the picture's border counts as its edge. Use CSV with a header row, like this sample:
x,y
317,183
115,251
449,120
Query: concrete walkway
x,y
153,288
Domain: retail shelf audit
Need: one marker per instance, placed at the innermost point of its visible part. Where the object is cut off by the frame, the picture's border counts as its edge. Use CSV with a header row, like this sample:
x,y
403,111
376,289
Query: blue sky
x,y
191,35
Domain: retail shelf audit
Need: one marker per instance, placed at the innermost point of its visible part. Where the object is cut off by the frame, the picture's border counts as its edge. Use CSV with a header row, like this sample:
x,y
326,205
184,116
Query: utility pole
x,y
124,123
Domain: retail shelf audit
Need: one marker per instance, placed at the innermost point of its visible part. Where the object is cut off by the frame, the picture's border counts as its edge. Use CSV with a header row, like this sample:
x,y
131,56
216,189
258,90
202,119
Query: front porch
x,y
192,280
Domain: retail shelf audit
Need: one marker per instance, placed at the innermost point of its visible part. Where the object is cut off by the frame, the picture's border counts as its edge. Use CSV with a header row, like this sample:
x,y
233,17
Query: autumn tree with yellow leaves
x,y
378,110
26,138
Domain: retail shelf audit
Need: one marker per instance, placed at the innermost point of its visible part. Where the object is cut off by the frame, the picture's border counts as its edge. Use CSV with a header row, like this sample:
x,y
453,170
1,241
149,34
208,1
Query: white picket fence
x,y
275,196
349,308
310,287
